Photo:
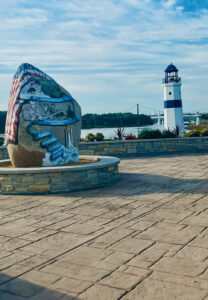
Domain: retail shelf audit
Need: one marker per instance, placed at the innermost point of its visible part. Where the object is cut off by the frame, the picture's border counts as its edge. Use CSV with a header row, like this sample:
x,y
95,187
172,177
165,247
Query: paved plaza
x,y
145,237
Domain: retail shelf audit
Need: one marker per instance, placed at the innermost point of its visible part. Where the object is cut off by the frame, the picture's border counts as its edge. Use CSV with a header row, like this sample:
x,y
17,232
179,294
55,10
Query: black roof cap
x,y
171,68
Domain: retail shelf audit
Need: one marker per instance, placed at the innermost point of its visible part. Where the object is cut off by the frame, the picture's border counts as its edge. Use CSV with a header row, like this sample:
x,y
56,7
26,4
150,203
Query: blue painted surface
x,y
171,68
56,154
51,142
57,122
172,103
50,100
47,140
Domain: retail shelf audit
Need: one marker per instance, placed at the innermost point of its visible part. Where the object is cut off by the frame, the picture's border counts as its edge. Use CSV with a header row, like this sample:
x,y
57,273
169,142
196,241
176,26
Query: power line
x,y
134,107
131,107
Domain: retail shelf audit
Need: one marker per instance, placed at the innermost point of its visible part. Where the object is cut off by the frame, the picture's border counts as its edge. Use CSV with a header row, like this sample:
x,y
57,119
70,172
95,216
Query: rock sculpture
x,y
43,123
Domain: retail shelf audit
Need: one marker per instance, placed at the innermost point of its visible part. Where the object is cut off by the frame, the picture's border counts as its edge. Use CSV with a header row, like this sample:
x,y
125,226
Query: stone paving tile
x,y
12,272
13,244
142,225
21,288
113,236
138,262
159,290
145,237
86,252
168,236
101,264
37,234
66,240
40,278
199,220
180,266
204,275
48,294
136,271
13,259
8,296
72,285
101,292
193,253
168,226
201,240
196,282
152,254
121,280
118,258
131,245
75,271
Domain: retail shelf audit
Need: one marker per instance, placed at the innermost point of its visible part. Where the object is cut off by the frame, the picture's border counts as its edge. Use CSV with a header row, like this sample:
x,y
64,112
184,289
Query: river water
x,y
109,133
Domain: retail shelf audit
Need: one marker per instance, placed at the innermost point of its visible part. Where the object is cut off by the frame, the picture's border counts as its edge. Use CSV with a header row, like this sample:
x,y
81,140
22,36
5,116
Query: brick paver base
x,y
145,237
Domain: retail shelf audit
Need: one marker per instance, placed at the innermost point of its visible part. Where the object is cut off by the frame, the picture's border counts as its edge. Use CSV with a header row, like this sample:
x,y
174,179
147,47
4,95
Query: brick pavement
x,y
145,237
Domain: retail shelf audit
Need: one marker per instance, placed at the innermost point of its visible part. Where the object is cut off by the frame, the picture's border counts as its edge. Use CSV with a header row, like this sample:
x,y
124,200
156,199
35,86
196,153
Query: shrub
x,y
99,137
168,134
176,131
130,137
192,133
90,137
204,132
1,141
120,132
204,116
150,134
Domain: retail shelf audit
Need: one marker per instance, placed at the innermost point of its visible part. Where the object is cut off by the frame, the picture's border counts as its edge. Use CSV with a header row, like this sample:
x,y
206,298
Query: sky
x,y
109,54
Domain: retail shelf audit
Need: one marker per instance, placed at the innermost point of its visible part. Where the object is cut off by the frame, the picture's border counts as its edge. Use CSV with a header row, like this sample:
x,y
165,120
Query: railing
x,y
171,80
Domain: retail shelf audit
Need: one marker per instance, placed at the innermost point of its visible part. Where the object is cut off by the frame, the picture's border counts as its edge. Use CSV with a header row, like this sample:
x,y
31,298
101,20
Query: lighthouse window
x,y
170,93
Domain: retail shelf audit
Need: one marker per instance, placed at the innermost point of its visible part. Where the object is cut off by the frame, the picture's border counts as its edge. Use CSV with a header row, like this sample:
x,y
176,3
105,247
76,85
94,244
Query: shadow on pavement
x,y
151,183
141,183
19,289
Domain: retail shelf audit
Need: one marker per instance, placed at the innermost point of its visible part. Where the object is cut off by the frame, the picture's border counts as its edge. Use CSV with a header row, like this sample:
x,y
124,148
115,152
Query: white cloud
x,y
169,3
179,8
105,49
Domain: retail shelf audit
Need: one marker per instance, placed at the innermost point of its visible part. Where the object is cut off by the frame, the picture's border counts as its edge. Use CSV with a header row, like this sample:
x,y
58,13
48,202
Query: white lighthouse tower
x,y
173,111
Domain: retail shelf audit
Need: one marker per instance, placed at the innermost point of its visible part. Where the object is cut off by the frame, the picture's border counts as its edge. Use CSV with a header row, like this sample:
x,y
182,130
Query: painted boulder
x,y
43,123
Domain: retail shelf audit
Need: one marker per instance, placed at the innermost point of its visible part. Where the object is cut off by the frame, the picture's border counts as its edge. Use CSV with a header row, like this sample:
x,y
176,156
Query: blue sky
x,y
109,54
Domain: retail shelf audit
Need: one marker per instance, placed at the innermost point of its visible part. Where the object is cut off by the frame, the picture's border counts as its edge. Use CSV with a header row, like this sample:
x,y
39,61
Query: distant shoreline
x,y
126,126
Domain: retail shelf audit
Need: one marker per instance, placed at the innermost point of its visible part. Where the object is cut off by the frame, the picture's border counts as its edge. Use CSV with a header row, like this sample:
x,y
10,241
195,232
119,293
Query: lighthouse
x,y
173,111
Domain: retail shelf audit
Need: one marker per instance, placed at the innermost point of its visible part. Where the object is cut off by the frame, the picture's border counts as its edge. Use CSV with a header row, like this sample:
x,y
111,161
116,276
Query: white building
x,y
173,111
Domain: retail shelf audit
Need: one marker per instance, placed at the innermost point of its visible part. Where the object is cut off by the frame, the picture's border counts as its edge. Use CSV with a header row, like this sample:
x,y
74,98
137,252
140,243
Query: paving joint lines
x,y
121,241
136,285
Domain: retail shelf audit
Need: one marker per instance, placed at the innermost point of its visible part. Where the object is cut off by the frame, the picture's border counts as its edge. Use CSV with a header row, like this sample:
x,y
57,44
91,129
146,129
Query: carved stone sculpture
x,y
43,123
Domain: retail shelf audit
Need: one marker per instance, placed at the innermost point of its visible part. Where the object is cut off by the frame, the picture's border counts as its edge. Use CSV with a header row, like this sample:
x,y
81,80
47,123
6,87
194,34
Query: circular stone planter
x,y
59,179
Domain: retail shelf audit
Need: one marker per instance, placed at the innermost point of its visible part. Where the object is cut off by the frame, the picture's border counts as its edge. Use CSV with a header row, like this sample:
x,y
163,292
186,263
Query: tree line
x,y
115,120
2,121
104,120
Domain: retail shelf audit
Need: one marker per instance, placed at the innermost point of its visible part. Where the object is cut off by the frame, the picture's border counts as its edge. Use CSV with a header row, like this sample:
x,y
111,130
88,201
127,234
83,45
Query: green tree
x,y
3,115
115,120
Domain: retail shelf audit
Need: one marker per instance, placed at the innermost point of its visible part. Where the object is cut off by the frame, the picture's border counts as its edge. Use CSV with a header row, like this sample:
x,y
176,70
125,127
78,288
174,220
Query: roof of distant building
x,y
171,68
